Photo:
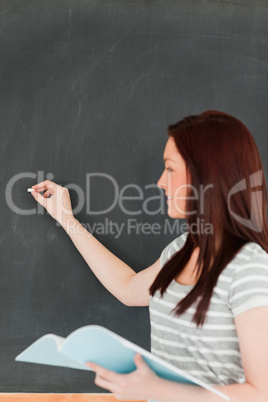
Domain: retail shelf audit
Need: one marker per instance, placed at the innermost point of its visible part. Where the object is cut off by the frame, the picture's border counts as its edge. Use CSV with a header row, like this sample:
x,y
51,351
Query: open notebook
x,y
96,344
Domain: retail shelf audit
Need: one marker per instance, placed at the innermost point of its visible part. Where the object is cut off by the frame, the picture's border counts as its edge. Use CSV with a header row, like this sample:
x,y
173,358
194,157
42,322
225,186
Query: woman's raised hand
x,y
56,200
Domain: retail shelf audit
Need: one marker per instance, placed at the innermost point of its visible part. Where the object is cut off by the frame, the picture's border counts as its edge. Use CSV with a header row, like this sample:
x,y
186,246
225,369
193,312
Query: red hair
x,y
220,155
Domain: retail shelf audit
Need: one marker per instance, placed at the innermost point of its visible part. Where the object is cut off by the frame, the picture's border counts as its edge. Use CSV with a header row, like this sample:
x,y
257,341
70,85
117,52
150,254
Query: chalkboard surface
x,y
87,91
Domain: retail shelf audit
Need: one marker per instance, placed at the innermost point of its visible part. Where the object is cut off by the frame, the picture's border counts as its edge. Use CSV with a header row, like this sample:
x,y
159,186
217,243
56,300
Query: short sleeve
x,y
249,287
172,248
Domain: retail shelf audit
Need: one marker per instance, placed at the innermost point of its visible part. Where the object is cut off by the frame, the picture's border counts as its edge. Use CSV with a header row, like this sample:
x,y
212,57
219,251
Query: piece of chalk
x,y
30,190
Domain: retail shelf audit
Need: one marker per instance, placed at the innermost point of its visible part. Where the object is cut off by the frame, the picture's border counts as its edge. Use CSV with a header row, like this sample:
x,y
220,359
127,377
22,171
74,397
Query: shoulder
x,y
252,249
250,258
248,273
172,248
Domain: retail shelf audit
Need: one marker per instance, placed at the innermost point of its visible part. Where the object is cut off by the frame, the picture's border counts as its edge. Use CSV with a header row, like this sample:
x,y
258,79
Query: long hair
x,y
224,165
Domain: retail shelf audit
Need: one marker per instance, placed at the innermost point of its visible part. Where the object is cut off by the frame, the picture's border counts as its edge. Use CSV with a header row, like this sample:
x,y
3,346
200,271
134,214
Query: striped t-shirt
x,y
210,353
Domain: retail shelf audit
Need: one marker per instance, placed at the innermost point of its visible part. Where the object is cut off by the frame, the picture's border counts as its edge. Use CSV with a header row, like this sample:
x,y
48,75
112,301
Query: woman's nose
x,y
161,182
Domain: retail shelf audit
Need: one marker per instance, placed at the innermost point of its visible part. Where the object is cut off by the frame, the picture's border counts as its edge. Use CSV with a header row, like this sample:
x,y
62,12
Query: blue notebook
x,y
96,344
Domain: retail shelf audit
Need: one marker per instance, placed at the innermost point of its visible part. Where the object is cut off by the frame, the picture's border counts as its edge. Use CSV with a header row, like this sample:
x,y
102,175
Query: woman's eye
x,y
169,170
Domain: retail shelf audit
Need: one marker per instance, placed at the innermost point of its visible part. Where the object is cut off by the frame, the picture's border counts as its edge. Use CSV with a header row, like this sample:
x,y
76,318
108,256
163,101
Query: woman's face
x,y
174,180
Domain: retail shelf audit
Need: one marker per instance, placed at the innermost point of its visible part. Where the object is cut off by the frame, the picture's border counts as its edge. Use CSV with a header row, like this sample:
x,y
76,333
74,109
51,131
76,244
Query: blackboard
x,y
89,87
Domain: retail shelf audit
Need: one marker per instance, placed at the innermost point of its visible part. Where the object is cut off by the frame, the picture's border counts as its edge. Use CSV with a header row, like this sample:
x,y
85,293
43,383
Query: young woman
x,y
208,291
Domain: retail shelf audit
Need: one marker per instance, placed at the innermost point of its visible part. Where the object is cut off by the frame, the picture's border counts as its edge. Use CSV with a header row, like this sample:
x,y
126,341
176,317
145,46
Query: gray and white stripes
x,y
210,353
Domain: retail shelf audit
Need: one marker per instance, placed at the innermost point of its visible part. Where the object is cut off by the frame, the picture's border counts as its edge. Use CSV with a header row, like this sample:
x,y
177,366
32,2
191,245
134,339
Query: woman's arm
x,y
252,330
123,282
129,287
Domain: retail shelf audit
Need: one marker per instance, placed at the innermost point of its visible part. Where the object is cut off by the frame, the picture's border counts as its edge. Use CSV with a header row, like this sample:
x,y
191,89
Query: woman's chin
x,y
174,214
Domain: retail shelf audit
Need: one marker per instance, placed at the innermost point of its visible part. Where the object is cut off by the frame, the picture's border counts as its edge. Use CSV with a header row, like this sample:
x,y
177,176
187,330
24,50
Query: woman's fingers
x,y
105,378
39,198
101,371
47,193
103,383
44,185
56,200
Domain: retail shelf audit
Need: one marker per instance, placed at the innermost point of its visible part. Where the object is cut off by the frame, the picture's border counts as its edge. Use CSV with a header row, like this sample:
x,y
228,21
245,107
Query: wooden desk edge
x,y
23,397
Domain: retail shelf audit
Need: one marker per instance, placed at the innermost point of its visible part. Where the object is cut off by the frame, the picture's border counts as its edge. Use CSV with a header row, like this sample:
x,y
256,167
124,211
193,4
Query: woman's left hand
x,y
137,385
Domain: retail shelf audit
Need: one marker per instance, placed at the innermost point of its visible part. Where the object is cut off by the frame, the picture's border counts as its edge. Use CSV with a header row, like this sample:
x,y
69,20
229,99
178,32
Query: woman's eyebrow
x,y
172,160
